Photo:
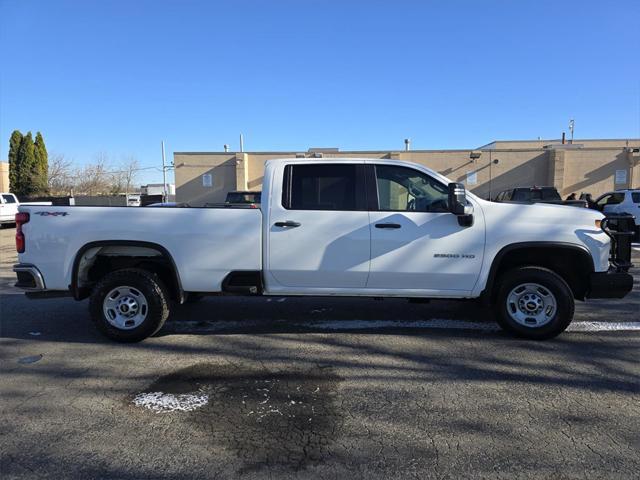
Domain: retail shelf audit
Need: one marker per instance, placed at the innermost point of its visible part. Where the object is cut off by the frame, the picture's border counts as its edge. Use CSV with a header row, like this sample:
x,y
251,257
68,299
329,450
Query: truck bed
x,y
205,244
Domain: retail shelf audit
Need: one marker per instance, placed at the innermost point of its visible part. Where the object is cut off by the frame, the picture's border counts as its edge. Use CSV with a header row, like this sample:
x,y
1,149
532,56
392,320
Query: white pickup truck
x,y
9,207
348,227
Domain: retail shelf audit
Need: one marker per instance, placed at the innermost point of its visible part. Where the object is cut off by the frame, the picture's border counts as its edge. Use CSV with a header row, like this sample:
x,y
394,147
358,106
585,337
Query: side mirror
x,y
458,204
457,198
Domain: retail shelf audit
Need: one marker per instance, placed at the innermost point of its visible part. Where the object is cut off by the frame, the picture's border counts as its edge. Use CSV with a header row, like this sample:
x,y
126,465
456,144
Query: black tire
x,y
551,281
155,294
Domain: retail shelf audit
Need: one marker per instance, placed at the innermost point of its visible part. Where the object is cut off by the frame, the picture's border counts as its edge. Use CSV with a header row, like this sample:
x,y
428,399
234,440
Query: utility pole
x,y
164,176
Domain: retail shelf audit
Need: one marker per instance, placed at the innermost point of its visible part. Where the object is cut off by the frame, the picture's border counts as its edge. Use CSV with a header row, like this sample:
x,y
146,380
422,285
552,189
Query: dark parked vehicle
x,y
244,197
536,195
239,199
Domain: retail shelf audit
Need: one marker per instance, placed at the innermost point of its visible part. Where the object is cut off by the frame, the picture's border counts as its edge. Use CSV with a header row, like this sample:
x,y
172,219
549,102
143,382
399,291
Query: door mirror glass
x,y
457,199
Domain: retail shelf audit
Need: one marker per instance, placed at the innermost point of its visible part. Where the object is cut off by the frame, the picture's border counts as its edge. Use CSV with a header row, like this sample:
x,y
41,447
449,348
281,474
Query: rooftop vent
x,y
324,150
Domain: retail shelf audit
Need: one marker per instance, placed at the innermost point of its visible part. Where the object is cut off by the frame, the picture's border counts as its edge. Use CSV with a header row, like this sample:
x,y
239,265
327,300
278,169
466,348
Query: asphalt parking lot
x,y
316,388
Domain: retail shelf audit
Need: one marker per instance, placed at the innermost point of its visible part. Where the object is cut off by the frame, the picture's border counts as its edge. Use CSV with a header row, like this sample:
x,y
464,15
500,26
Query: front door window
x,y
402,189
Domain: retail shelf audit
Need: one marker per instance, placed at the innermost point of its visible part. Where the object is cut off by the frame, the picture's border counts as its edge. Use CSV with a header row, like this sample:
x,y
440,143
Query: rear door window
x,y
635,197
602,201
535,195
324,187
550,194
615,198
8,199
521,195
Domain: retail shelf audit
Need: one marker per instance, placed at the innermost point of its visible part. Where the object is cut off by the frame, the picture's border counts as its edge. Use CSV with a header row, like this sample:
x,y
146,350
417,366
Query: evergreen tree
x,y
25,184
41,166
14,159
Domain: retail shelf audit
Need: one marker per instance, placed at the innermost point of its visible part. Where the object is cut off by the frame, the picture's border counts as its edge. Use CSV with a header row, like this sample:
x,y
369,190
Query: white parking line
x,y
463,325
335,325
603,326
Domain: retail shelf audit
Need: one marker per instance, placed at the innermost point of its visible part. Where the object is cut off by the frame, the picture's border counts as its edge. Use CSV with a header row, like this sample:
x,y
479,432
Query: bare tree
x,y
60,178
122,180
131,168
94,179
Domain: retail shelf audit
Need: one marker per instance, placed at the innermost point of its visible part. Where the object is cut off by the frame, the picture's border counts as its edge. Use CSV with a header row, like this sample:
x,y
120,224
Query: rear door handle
x,y
388,225
288,223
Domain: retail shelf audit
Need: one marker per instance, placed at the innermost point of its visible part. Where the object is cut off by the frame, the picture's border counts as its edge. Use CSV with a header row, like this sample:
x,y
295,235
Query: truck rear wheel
x,y
129,305
534,302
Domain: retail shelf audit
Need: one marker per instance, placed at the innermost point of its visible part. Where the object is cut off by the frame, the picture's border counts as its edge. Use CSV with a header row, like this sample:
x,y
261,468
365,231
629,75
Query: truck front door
x,y
319,230
416,244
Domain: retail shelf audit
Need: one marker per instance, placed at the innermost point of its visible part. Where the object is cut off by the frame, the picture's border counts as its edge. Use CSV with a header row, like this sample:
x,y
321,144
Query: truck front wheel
x,y
534,302
129,305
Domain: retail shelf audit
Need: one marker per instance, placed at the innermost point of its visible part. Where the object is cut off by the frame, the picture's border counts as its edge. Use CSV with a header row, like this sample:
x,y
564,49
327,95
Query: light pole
x,y
491,162
571,125
164,176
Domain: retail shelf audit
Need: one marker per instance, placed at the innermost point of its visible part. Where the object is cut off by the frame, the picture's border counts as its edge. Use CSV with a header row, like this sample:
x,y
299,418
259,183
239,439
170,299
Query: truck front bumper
x,y
609,284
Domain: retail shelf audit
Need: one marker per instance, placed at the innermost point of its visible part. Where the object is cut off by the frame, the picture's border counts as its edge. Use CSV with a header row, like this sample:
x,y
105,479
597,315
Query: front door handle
x,y
288,223
388,225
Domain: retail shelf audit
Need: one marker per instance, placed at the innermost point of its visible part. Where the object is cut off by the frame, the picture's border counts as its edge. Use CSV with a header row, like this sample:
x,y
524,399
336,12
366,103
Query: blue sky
x,y
120,76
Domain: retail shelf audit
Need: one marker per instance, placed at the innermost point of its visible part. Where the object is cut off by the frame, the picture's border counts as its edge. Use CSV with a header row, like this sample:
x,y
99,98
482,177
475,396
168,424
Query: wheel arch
x,y
79,292
558,257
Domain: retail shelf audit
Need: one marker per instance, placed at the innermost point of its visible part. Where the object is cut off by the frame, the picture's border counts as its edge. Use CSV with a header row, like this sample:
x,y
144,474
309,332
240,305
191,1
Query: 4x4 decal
x,y
52,214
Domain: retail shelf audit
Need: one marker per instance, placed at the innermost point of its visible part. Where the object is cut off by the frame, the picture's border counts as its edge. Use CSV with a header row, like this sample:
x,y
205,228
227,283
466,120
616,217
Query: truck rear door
x,y
319,233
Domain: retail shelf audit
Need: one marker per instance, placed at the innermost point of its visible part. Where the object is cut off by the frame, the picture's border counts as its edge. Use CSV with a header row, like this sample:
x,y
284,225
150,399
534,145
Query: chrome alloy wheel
x,y
531,305
125,307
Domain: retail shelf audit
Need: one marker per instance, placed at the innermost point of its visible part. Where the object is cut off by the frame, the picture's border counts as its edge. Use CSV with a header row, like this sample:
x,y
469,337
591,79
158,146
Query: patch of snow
x,y
160,402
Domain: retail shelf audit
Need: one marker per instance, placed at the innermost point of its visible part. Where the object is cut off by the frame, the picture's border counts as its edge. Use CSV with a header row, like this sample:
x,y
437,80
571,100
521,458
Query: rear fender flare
x,y
76,290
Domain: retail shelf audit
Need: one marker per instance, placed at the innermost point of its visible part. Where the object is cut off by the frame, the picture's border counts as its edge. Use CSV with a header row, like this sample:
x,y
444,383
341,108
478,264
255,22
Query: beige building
x,y
4,176
593,166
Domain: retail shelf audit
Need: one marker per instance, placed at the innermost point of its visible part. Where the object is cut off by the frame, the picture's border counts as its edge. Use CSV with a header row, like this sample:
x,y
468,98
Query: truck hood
x,y
543,213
